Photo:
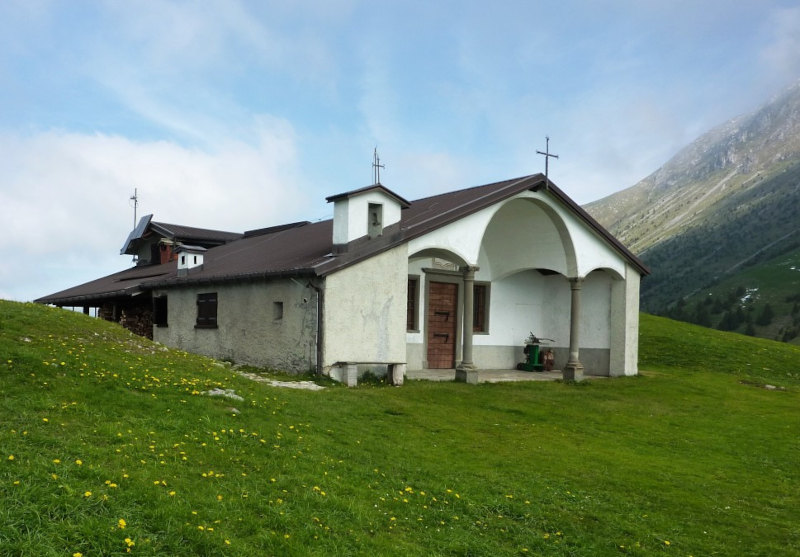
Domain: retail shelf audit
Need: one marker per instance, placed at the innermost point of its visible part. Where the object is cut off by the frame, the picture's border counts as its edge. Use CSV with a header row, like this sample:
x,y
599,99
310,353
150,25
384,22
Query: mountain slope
x,y
728,201
745,228
737,156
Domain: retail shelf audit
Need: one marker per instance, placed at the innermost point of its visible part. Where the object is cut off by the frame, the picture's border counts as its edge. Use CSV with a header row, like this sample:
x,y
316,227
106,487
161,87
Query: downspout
x,y
320,296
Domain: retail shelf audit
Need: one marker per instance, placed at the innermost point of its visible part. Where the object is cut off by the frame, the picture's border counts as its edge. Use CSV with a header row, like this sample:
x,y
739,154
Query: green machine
x,y
533,355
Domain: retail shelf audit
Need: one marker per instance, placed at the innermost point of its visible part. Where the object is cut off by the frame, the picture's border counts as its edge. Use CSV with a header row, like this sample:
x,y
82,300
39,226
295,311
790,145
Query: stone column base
x,y
573,371
467,375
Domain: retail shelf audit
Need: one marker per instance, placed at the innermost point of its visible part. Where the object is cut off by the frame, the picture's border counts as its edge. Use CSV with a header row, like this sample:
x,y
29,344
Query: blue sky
x,y
239,115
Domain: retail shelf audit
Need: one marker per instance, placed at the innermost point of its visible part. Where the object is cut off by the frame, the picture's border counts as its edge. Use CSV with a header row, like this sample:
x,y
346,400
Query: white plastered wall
x,y
364,315
625,324
350,215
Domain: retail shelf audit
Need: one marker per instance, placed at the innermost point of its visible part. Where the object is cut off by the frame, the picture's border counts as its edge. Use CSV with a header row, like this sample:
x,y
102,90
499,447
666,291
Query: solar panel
x,y
136,234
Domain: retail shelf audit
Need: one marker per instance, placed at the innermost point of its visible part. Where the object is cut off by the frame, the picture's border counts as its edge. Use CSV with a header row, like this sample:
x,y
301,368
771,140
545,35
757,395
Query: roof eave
x,y
600,229
188,280
83,298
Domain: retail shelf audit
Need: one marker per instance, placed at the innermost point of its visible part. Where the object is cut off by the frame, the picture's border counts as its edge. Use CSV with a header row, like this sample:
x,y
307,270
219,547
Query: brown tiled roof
x,y
305,249
191,233
176,232
123,283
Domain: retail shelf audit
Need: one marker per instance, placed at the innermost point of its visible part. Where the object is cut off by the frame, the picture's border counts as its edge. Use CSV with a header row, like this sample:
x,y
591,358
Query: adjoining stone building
x,y
457,280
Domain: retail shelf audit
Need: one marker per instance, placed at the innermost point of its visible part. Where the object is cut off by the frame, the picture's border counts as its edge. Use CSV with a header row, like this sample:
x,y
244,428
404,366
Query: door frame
x,y
452,277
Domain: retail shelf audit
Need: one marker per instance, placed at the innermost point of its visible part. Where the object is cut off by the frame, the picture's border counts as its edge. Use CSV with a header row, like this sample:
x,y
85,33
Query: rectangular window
x,y
277,311
412,305
206,311
480,308
375,216
160,311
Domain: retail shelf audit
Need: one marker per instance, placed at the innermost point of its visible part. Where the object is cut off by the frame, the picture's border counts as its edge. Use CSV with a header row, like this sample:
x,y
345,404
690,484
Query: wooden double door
x,y
442,324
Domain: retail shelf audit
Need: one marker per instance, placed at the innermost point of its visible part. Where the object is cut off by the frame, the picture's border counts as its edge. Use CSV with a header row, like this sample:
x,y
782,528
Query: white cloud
x,y
65,197
782,52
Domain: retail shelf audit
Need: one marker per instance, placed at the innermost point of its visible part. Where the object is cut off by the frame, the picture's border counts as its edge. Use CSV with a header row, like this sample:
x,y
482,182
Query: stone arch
x,y
543,240
615,274
440,253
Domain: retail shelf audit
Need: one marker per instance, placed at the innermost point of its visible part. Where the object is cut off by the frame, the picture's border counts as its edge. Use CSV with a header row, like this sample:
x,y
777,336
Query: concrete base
x,y
467,375
397,373
350,375
573,371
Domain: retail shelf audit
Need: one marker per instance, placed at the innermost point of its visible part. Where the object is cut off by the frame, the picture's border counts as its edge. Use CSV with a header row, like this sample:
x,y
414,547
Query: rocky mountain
x,y
728,201
735,157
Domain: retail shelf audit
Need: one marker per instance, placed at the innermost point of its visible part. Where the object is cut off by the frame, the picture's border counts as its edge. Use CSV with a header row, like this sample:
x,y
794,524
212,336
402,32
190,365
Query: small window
x,y
207,311
375,225
277,311
160,311
412,305
480,308
183,260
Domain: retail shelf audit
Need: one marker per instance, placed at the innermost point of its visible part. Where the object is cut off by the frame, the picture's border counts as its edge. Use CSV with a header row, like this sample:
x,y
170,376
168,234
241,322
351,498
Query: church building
x,y
454,281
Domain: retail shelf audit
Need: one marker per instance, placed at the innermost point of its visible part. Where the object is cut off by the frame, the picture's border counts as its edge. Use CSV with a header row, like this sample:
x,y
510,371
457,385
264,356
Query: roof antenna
x,y
376,167
547,156
135,199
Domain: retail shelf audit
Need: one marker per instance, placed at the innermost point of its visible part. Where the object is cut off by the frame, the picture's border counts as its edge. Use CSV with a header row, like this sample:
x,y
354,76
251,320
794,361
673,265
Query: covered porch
x,y
478,288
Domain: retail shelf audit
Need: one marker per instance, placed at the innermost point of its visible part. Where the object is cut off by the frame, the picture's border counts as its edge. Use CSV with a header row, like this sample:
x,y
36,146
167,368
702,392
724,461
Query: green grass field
x,y
108,447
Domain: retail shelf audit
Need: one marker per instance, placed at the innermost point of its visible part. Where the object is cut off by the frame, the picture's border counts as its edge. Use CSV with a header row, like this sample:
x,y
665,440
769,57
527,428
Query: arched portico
x,y
516,272
437,299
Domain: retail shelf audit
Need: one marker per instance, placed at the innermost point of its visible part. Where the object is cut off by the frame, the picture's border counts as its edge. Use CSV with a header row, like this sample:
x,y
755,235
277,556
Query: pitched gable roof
x,y
175,232
306,249
374,187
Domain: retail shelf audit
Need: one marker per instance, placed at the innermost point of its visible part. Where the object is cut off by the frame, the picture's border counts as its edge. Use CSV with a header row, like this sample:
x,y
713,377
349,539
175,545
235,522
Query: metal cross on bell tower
x,y
376,167
547,154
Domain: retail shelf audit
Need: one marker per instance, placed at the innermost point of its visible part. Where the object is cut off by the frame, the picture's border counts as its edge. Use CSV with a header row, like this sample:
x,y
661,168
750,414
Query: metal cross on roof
x,y
376,167
547,154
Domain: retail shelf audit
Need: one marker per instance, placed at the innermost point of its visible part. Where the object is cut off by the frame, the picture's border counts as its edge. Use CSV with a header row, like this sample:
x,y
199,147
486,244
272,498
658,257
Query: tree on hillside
x,y
765,317
701,315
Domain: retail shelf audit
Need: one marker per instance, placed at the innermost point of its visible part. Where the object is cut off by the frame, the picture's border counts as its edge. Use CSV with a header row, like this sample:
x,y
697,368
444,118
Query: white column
x,y
466,369
573,371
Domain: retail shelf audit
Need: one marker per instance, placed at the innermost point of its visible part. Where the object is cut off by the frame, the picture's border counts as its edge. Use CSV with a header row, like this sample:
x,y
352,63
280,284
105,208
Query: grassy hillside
x,y
761,300
108,447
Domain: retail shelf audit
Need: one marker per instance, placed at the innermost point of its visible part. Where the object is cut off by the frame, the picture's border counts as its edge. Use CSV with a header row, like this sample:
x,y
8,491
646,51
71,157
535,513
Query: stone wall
x,y
262,323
